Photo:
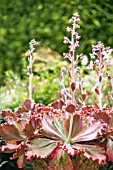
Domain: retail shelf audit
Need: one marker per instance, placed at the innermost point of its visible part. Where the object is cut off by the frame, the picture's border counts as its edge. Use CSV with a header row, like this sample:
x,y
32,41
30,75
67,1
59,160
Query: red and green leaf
x,y
48,128
88,133
103,115
20,150
78,125
8,113
94,152
10,132
40,148
61,161
29,130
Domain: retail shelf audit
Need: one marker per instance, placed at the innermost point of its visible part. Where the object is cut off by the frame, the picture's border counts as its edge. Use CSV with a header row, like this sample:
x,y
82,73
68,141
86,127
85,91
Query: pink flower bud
x,y
29,69
84,96
100,78
73,86
68,29
97,91
33,89
66,40
69,73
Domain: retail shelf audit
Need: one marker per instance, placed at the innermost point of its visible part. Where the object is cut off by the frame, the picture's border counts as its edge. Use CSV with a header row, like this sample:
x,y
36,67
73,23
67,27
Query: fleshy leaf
x,y
9,113
109,149
103,115
60,128
70,108
78,125
9,132
48,128
8,148
89,133
29,130
93,152
57,104
61,161
28,104
19,151
21,162
40,148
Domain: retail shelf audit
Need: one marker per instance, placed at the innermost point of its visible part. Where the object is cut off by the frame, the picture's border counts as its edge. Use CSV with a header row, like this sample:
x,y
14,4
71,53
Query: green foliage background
x,y
46,21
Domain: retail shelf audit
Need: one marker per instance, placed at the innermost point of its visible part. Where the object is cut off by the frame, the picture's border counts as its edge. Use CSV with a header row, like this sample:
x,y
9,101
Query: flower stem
x,y
99,82
72,62
30,77
70,129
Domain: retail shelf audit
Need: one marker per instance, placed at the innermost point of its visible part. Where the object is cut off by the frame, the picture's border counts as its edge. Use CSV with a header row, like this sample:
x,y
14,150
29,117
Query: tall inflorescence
x,y
73,45
98,54
30,59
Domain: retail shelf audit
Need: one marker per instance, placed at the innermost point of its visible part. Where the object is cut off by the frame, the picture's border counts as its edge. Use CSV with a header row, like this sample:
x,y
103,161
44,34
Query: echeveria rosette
x,y
85,139
19,127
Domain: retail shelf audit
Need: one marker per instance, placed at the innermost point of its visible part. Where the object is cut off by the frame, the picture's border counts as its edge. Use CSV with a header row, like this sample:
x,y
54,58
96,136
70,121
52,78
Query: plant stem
x,y
30,77
99,82
72,62
73,79
100,98
70,129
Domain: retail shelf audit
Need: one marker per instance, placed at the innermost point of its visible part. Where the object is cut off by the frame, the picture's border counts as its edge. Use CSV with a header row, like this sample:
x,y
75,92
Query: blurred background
x,y
46,22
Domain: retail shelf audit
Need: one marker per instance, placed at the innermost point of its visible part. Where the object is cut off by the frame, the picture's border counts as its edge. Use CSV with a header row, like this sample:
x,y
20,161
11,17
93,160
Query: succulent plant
x,y
64,134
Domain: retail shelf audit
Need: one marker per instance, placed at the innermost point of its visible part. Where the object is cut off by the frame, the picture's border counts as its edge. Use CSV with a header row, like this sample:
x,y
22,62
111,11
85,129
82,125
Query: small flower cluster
x,y
98,54
72,45
31,46
31,49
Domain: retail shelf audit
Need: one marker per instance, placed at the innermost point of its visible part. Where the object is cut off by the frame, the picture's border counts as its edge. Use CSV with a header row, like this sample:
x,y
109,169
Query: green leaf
x,y
88,133
93,152
48,128
78,125
61,161
41,148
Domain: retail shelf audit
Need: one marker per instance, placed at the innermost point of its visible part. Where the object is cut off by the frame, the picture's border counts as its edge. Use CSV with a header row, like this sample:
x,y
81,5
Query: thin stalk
x,y
70,129
72,62
30,77
100,98
73,79
99,83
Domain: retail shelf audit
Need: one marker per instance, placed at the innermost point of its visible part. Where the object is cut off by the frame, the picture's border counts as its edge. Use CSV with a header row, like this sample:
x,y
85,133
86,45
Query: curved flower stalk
x,y
98,53
62,135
